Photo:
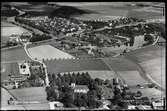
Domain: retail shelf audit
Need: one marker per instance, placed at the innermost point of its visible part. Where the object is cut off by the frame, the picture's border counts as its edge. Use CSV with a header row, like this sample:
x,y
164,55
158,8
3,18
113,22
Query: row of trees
x,y
38,37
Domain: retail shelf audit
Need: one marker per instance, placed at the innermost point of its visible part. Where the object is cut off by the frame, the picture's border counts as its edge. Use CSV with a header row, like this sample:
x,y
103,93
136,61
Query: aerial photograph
x,y
83,56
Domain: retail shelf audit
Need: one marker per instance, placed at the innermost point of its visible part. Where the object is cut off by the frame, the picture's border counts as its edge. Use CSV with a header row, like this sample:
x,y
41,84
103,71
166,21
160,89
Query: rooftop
x,y
81,87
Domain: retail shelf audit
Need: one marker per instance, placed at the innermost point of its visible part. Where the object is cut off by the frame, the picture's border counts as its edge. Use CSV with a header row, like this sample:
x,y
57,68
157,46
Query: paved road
x,y
132,24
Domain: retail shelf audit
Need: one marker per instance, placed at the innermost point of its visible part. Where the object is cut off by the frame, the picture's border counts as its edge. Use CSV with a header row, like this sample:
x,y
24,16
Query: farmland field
x,y
8,29
126,70
103,10
70,65
132,78
157,73
14,55
30,94
22,94
140,55
48,52
152,60
7,68
98,10
5,95
120,64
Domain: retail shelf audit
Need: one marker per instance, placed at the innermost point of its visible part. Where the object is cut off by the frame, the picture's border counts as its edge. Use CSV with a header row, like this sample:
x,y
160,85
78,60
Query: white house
x,y
24,69
80,88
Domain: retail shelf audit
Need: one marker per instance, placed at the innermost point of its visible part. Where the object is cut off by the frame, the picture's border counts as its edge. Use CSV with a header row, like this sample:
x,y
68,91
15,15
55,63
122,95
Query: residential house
x,y
80,88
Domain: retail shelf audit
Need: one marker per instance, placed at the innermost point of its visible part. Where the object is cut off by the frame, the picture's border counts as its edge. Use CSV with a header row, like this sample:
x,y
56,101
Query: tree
x,y
148,38
68,97
99,81
138,94
67,78
123,105
78,78
107,82
58,82
123,94
91,84
117,95
92,103
81,100
99,92
145,100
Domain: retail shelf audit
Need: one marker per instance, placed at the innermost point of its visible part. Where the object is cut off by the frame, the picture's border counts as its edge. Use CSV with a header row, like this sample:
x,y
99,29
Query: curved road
x,y
40,61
